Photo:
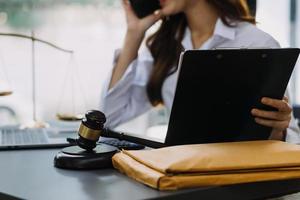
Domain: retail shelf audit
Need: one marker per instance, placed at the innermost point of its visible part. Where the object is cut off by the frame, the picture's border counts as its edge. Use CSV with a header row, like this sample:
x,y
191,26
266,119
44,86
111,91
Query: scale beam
x,y
36,39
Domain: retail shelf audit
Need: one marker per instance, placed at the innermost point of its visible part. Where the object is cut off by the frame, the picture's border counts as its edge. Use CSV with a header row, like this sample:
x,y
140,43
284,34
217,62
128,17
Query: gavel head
x,y
90,129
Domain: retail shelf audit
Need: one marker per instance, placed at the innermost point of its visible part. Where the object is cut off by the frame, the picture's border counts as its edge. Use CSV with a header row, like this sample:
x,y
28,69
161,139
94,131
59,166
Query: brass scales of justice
x,y
72,116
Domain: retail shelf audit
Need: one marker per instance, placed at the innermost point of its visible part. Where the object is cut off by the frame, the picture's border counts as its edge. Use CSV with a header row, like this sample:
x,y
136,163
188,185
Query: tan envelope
x,y
214,164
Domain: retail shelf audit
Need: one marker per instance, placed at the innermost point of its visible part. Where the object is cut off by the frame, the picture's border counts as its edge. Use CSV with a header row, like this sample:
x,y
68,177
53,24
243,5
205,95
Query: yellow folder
x,y
215,164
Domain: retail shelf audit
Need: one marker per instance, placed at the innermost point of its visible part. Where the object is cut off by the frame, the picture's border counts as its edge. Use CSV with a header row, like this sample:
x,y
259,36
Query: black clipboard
x,y
216,90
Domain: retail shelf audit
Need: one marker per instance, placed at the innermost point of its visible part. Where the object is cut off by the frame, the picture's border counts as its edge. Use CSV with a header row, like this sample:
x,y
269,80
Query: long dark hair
x,y
165,44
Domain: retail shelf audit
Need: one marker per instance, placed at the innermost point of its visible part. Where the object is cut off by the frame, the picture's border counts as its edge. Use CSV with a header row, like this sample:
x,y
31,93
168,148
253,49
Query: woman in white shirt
x,y
141,81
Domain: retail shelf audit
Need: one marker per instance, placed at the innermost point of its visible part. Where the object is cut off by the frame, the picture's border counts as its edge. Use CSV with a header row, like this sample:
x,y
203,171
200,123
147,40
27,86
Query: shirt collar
x,y
224,31
221,30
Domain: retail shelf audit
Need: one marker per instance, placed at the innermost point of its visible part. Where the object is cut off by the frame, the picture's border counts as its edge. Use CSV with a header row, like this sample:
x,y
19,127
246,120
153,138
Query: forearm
x,y
129,52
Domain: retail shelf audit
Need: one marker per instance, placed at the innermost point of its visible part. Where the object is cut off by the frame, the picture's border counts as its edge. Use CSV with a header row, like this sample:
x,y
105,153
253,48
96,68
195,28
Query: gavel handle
x,y
122,136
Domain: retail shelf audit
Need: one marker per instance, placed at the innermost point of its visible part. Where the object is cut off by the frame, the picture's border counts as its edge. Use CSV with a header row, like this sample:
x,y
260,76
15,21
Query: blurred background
x,y
93,29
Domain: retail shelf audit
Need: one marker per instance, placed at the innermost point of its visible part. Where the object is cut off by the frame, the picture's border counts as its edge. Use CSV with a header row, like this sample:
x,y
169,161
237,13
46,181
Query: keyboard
x,y
13,136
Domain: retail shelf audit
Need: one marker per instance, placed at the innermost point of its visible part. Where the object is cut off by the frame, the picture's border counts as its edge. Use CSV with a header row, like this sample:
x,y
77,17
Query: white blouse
x,y
128,98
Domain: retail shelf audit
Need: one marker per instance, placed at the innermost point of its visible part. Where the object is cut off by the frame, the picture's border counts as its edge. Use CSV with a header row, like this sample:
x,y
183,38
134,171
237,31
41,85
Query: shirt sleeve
x,y
293,131
128,98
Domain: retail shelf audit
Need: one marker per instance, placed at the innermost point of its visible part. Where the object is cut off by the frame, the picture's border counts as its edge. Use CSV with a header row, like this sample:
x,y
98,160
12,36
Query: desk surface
x,y
30,174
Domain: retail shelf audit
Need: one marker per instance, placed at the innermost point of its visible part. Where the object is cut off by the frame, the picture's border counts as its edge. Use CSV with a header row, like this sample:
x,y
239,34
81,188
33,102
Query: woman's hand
x,y
278,120
136,29
139,25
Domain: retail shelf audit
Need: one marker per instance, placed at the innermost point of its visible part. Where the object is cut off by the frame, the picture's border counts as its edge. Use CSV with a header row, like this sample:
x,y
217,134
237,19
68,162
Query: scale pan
x,y
68,117
5,93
